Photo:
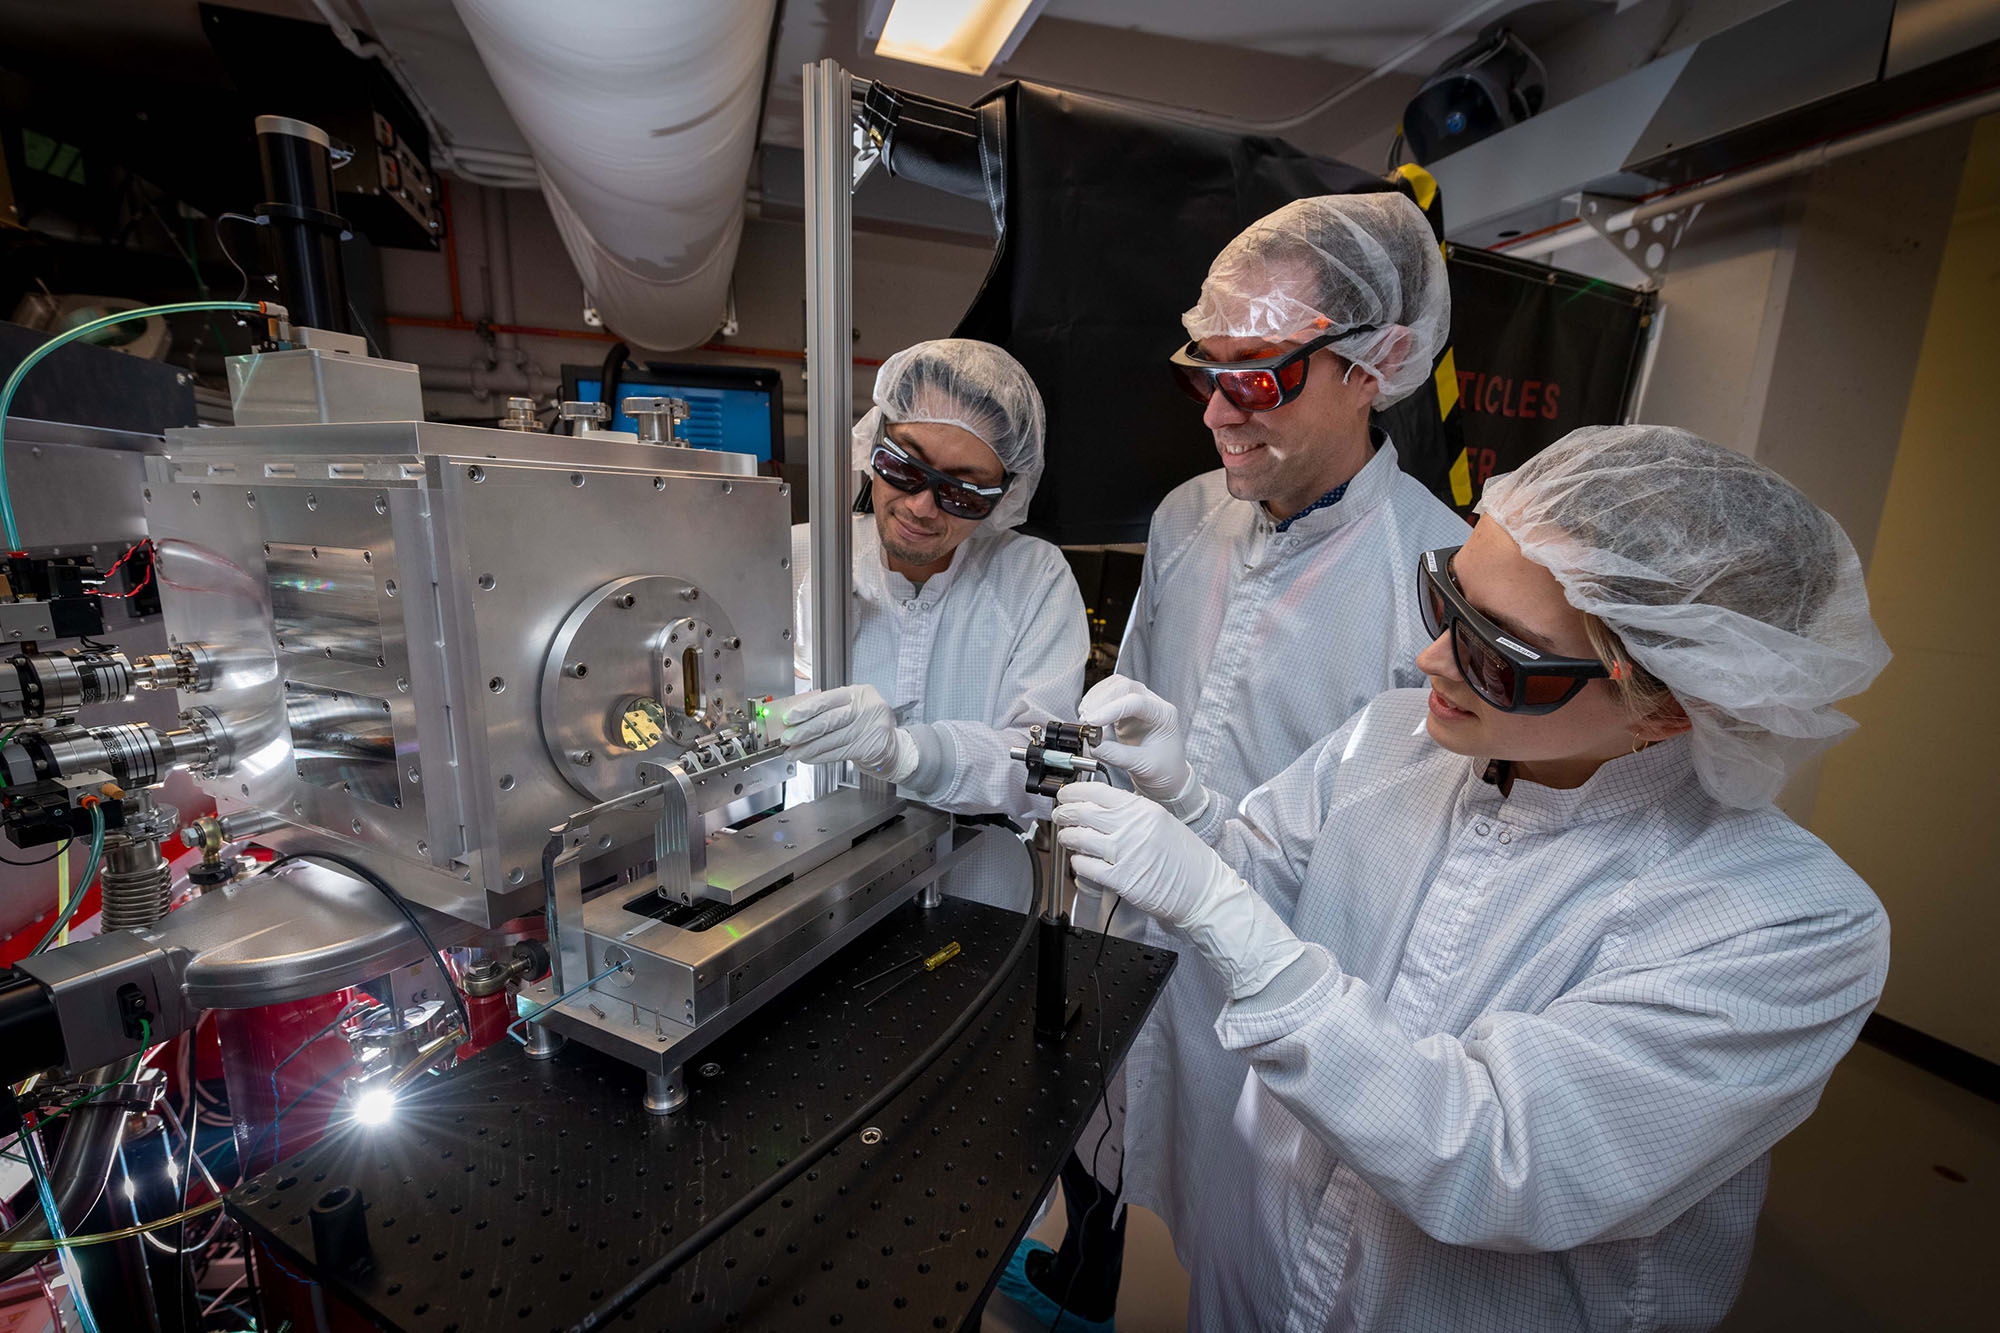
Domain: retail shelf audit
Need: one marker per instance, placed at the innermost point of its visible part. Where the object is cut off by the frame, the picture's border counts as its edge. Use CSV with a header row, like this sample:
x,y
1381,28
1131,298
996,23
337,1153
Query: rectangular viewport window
x,y
323,603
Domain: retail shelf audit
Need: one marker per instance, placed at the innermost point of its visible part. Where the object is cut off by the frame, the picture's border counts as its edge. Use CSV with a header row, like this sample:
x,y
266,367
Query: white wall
x,y
905,290
1909,799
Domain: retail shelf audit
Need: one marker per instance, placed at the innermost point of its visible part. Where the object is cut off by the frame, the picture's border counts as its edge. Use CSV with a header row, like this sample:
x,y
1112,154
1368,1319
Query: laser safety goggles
x,y
1258,385
954,495
1506,673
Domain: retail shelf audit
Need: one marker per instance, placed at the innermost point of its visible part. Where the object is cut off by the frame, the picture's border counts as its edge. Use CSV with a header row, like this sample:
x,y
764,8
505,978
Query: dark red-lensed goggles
x,y
1258,385
1503,671
954,495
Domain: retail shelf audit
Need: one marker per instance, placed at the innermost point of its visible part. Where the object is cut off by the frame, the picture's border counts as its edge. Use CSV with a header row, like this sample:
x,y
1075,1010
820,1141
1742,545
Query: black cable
x,y
401,904
43,861
1395,153
1104,1098
664,1267
223,245
367,336
614,370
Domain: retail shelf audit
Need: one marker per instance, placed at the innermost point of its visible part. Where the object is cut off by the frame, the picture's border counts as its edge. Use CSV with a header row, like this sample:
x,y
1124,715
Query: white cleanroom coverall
x,y
995,642
1265,641
1529,1070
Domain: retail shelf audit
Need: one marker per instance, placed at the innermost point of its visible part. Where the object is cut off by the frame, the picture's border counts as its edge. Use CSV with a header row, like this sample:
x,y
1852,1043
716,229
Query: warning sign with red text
x,y
1537,352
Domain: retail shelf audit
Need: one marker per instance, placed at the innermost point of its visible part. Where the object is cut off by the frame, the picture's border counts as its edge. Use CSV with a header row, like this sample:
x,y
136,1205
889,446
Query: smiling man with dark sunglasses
x,y
964,631
1274,603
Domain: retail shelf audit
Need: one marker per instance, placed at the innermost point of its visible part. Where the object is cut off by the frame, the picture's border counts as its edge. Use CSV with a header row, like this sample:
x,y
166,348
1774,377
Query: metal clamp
x,y
658,418
584,418
141,1095
1054,754
520,415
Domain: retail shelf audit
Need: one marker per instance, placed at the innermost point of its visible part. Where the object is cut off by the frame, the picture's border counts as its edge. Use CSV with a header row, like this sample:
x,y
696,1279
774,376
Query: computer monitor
x,y
741,409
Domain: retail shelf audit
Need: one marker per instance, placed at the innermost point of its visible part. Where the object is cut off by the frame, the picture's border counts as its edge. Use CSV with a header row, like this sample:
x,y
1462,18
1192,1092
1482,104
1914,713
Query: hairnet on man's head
x,y
1331,263
1741,595
972,385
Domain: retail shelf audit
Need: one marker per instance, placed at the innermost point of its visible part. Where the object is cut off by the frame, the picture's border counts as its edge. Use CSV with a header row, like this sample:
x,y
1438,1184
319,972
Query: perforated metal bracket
x,y
1647,245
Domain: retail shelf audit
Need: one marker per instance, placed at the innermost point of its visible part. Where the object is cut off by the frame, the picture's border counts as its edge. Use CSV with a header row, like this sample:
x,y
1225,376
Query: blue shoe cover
x,y
1039,1304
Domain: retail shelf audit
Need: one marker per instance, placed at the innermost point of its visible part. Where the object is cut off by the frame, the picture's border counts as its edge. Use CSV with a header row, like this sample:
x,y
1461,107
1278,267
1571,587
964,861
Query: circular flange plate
x,y
640,670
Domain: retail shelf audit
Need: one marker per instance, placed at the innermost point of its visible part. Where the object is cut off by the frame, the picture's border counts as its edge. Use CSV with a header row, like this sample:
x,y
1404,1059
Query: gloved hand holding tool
x,y
1119,840
853,722
1143,736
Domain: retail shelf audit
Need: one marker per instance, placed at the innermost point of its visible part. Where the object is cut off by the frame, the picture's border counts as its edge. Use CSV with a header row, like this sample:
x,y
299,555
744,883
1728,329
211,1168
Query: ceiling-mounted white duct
x,y
641,115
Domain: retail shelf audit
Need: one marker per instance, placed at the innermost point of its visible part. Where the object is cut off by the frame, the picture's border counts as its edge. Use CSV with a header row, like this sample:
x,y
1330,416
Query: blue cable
x,y
31,1145
569,994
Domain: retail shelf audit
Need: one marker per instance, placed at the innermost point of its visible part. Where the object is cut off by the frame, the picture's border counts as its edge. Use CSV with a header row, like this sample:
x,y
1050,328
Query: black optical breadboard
x,y
517,1194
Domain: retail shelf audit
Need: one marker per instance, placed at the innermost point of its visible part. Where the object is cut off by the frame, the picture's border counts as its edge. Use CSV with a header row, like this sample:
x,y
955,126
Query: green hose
x,y
83,331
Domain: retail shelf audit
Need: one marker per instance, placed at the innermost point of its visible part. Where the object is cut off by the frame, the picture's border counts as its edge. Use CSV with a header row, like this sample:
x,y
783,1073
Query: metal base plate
x,y
523,1193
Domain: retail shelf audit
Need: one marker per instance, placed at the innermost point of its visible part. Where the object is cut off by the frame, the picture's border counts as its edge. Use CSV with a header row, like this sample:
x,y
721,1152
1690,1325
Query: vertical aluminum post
x,y
829,166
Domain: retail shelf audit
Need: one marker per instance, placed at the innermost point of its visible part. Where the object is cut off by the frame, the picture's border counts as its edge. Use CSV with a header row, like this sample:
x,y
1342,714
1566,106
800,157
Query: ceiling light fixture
x,y
964,36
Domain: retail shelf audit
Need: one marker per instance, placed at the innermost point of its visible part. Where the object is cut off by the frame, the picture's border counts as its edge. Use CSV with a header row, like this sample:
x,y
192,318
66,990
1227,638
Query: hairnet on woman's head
x,y
972,385
1335,262
1740,594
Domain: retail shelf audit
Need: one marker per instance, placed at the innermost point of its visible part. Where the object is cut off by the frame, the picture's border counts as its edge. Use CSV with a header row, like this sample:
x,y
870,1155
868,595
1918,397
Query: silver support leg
x,y
665,1093
542,1043
930,896
829,162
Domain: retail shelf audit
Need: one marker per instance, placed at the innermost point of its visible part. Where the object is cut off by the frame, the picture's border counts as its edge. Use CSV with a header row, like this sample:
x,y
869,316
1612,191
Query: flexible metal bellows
x,y
138,883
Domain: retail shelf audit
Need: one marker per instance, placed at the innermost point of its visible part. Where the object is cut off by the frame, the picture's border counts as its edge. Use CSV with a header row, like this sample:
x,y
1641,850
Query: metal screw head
x,y
583,757
871,1136
710,1069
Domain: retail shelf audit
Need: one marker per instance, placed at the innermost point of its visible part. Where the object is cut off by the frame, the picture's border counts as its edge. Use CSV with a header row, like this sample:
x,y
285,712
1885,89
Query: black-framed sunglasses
x,y
1259,385
954,495
1503,671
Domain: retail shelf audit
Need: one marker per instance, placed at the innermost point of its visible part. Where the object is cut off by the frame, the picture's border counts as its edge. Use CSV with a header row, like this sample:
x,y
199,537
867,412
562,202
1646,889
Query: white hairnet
x,y
974,386
1332,263
1740,594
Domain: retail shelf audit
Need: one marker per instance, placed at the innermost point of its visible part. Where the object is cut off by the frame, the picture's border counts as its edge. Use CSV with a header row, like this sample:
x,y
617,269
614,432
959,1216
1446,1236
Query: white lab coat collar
x,y
1365,489
1626,784
874,579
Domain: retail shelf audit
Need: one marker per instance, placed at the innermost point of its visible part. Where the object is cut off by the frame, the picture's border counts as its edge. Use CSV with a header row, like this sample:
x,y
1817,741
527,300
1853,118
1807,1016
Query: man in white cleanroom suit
x,y
964,630
1274,602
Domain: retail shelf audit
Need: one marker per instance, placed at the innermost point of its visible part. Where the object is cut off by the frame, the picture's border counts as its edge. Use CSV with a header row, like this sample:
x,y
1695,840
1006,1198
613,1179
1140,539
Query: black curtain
x,y
1108,220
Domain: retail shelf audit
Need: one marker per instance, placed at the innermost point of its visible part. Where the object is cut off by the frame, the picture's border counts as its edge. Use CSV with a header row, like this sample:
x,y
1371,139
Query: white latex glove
x,y
1120,841
854,723
1144,738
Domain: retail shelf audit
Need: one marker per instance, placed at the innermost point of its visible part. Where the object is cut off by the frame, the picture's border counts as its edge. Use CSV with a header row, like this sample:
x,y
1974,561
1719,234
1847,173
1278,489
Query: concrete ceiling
x,y
1234,62
1243,62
